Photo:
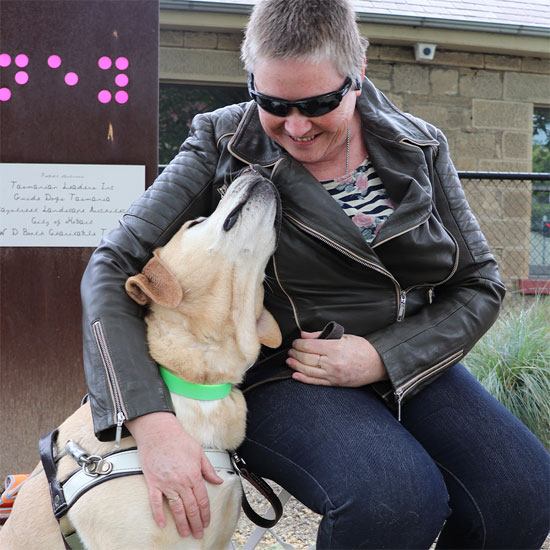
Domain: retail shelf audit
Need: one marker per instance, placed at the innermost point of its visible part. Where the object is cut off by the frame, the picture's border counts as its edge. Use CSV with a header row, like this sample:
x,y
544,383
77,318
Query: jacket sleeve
x,y
422,346
123,380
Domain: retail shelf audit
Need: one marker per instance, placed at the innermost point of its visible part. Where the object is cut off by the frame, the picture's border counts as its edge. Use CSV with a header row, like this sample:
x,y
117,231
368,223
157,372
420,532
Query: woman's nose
x,y
296,124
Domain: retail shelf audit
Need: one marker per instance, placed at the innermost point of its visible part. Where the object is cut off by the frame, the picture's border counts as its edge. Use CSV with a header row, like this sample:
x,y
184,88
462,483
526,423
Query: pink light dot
x,y
21,60
104,63
5,61
104,96
5,94
21,77
121,80
121,97
54,61
71,79
122,63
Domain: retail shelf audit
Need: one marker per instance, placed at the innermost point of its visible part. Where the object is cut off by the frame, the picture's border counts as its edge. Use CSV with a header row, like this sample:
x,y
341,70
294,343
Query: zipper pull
x,y
402,305
431,294
399,397
120,421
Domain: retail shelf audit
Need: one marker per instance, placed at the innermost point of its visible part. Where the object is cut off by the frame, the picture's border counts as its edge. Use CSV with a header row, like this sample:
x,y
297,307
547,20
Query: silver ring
x,y
172,499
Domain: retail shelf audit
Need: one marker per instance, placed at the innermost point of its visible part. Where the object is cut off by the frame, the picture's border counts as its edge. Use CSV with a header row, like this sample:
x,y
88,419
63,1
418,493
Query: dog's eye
x,y
191,223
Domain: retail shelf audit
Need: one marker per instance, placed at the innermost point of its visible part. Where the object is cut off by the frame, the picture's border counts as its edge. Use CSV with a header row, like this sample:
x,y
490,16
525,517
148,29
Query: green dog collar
x,y
202,392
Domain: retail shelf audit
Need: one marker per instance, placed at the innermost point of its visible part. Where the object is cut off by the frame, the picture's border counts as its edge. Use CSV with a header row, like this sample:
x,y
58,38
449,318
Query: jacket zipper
x,y
119,413
401,391
399,234
286,294
420,144
400,294
402,305
431,286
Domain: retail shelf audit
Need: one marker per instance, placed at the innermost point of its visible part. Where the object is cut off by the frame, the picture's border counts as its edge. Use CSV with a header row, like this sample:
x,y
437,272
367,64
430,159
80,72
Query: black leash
x,y
263,488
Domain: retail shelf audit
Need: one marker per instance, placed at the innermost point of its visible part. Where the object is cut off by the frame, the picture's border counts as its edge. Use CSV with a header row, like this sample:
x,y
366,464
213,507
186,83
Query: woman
x,y
381,431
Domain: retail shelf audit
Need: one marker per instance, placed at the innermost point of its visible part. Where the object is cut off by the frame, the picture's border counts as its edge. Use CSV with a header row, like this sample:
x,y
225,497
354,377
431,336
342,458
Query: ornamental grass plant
x,y
512,361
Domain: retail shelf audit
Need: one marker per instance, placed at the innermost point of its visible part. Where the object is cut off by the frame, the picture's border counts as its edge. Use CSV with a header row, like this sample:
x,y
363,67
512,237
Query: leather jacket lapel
x,y
402,169
323,215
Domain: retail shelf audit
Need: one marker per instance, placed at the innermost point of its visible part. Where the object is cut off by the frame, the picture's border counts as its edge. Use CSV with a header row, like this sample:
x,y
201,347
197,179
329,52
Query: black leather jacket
x,y
423,293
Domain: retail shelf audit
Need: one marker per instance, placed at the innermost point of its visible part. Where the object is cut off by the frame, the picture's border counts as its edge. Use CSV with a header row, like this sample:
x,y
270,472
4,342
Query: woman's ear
x,y
155,283
358,79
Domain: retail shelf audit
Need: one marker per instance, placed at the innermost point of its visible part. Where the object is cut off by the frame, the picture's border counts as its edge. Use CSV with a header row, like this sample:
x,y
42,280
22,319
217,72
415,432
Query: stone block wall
x,y
482,102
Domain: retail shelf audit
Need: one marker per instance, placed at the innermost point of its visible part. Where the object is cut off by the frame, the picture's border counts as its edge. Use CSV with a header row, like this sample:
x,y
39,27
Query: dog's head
x,y
212,270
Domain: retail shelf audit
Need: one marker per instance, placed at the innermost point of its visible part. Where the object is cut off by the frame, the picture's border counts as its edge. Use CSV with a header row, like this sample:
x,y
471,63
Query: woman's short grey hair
x,y
313,30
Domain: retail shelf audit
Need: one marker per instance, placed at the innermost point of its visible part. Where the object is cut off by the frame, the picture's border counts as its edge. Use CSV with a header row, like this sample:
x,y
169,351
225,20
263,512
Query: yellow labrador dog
x,y
205,324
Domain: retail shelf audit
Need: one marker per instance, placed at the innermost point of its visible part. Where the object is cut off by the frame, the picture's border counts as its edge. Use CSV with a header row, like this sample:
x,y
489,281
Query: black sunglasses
x,y
310,106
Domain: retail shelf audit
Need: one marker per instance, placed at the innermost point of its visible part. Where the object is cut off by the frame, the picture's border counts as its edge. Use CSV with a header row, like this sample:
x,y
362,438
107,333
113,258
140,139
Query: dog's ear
x,y
155,283
268,330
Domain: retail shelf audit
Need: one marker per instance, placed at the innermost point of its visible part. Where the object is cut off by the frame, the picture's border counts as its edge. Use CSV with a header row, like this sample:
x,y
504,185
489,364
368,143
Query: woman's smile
x,y
308,139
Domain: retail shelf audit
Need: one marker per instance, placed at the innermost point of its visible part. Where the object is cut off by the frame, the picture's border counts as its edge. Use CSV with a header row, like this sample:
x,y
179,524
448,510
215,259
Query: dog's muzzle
x,y
259,185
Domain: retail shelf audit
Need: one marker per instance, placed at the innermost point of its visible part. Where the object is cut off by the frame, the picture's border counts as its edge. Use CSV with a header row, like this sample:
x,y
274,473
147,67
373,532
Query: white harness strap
x,y
124,463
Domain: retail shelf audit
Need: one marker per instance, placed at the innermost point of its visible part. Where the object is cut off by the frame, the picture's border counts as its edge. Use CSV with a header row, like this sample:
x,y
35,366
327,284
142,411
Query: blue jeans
x,y
459,463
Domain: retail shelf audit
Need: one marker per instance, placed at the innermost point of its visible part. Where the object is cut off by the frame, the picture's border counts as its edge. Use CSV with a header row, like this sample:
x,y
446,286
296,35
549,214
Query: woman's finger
x,y
192,512
314,345
208,471
179,513
156,499
201,498
307,370
301,377
310,359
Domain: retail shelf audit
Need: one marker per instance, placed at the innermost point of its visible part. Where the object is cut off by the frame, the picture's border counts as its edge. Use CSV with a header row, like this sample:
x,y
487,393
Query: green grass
x,y
512,361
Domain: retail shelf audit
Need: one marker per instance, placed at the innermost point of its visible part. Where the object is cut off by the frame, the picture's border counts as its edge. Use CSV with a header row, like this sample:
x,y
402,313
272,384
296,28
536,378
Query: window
x,y
540,205
541,139
179,103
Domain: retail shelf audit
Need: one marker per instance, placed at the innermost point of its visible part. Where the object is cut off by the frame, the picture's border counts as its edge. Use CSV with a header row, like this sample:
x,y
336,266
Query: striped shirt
x,y
363,197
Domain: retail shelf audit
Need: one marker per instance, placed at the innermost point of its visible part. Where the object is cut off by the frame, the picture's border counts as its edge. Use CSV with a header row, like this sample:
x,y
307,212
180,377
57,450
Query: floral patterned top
x,y
363,197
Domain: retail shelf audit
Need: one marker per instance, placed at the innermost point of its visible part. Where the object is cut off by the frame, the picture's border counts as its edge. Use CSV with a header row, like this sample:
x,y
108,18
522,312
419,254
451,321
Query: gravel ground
x,y
297,527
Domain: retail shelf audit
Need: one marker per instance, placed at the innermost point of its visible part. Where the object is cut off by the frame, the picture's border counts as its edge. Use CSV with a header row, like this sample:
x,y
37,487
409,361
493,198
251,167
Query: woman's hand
x,y
175,467
349,361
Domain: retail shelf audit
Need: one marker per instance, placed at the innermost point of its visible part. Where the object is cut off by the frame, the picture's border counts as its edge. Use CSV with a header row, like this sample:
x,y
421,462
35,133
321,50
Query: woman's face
x,y
308,139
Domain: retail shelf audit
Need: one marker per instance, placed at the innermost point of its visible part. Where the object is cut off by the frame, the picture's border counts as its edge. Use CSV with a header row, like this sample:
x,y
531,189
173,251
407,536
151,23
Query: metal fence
x,y
513,210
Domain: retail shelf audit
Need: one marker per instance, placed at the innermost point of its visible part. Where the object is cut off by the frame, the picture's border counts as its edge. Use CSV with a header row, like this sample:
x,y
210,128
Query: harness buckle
x,y
95,466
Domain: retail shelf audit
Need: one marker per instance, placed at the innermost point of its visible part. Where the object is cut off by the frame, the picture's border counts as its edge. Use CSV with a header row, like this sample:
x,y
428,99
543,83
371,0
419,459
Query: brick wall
x,y
482,102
